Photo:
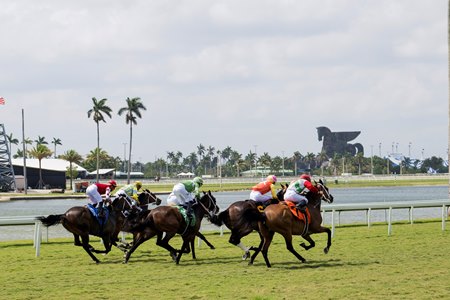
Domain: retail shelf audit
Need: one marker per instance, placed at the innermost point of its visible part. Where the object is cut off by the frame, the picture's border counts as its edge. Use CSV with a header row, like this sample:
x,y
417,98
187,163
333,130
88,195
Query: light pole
x,y
124,155
379,149
282,153
371,159
256,175
409,150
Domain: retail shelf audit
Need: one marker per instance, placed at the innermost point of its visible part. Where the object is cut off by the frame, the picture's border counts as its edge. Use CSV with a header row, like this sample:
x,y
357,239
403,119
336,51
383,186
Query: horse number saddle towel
x,y
297,213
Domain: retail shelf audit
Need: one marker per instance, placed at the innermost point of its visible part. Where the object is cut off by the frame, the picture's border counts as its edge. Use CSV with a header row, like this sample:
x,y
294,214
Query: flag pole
x,y
24,155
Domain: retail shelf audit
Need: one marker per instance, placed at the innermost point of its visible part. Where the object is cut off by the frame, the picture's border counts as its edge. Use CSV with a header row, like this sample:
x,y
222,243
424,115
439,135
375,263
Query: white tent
x,y
183,174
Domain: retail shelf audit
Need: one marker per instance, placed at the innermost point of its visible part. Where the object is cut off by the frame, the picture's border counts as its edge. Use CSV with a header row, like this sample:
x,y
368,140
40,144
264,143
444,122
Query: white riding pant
x,y
93,194
258,197
179,195
293,196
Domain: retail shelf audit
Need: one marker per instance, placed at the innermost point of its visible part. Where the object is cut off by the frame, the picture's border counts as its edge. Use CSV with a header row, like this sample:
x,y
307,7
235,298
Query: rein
x,y
207,208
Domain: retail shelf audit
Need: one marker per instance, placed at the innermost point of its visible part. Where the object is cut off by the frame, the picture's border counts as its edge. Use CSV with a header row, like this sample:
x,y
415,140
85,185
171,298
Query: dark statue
x,y
337,142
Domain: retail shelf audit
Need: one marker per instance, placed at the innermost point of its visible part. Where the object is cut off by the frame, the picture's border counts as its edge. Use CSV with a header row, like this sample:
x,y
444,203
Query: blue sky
x,y
228,73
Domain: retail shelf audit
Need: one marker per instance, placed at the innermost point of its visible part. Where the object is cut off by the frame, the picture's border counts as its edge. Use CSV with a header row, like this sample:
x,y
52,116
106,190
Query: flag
x,y
2,101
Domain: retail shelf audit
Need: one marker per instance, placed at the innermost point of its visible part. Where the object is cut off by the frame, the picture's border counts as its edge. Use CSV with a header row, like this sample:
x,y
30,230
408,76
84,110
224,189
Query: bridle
x,y
208,209
326,196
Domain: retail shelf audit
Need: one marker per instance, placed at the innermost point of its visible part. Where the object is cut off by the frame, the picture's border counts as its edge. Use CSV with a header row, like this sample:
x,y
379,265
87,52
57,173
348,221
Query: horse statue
x,y
166,221
81,222
337,142
242,218
280,219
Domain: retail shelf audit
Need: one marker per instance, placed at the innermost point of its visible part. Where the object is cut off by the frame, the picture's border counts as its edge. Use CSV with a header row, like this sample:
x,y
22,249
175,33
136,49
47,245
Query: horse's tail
x,y
253,215
218,220
51,220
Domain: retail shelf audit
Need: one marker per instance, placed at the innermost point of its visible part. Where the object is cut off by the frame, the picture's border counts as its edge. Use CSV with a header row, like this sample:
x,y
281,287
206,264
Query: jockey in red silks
x,y
96,190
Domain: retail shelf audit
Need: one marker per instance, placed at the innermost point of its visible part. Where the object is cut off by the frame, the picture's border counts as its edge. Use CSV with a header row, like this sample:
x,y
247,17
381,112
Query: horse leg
x,y
311,242
257,250
290,247
184,246
235,239
266,235
201,236
76,240
87,247
138,239
164,243
192,242
327,248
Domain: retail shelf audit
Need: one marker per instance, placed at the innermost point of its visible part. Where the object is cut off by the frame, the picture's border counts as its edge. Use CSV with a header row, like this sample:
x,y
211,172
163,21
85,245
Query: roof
x,y
53,164
101,171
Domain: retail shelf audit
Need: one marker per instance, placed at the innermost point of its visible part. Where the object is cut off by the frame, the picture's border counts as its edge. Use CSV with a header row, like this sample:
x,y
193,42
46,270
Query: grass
x,y
363,263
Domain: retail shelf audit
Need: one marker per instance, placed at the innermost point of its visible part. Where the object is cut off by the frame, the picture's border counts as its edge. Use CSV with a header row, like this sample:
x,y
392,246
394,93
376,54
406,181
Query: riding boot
x,y
189,211
101,213
301,206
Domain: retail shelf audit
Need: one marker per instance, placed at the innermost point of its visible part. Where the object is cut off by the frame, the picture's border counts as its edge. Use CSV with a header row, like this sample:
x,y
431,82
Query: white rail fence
x,y
333,209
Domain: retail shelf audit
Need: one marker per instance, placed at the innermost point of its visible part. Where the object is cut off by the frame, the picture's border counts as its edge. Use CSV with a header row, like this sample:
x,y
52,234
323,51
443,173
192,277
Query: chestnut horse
x,y
167,221
81,223
242,217
280,219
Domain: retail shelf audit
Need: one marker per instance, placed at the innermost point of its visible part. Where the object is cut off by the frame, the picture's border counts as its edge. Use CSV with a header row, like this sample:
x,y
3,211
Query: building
x,y
53,171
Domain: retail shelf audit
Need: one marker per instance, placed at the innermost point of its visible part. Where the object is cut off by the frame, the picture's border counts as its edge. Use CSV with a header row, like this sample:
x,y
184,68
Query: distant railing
x,y
389,206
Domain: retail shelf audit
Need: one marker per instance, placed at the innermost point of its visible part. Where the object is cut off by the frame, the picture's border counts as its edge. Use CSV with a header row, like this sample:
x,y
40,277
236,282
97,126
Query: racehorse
x,y
169,220
242,217
145,198
81,223
278,218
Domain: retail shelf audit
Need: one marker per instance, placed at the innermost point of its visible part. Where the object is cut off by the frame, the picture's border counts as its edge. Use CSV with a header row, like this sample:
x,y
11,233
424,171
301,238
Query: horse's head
x,y
121,204
147,197
282,191
324,192
208,202
322,131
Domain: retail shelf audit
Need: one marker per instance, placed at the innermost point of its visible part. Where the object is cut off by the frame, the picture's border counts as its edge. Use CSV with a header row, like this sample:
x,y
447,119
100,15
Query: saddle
x,y
297,213
94,211
261,206
183,212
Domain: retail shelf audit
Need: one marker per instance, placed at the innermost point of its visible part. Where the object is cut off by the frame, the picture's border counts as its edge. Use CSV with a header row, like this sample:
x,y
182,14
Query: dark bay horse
x,y
81,223
145,198
167,221
242,218
278,218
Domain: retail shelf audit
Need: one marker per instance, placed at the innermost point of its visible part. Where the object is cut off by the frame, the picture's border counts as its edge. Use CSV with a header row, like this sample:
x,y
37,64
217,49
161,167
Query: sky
x,y
255,75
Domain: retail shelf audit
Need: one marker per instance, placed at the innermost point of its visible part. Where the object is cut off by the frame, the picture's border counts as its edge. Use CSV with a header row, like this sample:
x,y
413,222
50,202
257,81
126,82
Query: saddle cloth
x,y
94,212
183,212
294,210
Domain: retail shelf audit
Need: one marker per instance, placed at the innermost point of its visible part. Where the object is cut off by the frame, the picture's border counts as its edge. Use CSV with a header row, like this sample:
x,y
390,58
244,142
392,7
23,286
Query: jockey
x,y
130,192
95,192
184,194
297,190
264,190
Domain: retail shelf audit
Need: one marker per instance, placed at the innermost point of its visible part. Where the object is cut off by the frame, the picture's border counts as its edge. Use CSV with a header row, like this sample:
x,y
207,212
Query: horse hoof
x,y
325,250
246,255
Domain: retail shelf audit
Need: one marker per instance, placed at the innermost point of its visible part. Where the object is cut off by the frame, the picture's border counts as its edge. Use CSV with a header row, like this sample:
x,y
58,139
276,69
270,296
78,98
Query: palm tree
x,y
201,153
132,110
56,142
296,157
12,140
71,156
41,140
97,112
26,141
40,151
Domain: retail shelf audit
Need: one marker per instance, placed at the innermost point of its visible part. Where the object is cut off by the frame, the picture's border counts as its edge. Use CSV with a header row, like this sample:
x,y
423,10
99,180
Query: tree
x,y
132,111
201,153
97,112
41,140
12,140
40,152
56,142
296,157
71,156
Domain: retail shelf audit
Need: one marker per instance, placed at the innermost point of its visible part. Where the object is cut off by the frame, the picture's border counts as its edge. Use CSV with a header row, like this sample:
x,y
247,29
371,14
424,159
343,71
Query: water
x,y
224,199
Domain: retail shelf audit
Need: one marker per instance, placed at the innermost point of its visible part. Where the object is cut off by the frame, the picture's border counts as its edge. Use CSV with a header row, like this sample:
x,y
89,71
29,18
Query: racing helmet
x,y
138,185
198,181
112,182
306,177
272,178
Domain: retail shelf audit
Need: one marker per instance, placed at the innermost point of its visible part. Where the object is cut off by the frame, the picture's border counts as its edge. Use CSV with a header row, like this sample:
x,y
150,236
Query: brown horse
x,y
81,223
242,218
167,221
145,198
280,219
